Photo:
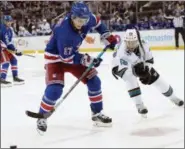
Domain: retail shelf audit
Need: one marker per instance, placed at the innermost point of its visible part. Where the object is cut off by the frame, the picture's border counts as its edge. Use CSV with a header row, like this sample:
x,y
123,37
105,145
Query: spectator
x,y
116,15
144,24
34,31
178,24
54,22
23,32
45,28
29,25
154,24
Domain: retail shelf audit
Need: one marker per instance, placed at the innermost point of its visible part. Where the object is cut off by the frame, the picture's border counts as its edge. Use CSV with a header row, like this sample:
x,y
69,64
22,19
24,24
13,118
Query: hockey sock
x,y
4,69
164,88
135,94
132,86
52,94
14,69
95,94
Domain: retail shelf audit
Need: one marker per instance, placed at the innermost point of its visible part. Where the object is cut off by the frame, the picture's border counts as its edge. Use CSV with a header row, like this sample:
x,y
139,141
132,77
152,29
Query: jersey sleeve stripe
x,y
98,21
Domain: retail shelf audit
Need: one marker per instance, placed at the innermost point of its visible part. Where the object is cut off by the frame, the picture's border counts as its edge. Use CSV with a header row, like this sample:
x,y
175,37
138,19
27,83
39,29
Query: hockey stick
x,y
46,115
29,55
13,52
140,42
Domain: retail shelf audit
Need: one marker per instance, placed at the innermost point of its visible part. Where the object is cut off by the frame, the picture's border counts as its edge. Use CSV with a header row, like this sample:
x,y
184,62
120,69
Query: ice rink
x,y
71,125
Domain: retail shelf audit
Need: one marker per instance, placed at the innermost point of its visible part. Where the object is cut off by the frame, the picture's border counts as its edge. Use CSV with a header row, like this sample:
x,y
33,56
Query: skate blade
x,y
41,133
100,124
6,85
19,83
144,116
177,101
182,106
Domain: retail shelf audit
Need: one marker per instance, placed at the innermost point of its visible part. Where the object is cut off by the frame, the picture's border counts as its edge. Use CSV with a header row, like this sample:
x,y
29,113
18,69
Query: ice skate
x,y
178,102
142,110
41,126
101,120
5,83
18,81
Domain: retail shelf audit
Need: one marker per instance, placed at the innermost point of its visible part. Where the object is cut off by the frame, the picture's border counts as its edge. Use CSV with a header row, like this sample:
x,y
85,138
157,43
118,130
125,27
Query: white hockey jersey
x,y
124,58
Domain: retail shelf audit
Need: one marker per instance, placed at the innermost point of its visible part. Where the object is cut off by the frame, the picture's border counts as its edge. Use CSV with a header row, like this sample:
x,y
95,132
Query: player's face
x,y
8,23
79,22
131,45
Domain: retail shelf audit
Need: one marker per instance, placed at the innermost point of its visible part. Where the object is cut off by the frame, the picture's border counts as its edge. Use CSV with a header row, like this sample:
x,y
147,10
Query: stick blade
x,y
34,115
39,115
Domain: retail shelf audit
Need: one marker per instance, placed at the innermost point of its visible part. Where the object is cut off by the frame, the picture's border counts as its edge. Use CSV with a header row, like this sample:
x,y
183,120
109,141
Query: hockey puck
x,y
13,147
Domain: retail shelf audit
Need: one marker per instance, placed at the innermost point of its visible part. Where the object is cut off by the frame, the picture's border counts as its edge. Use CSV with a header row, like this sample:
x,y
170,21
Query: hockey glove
x,y
87,60
109,40
152,76
18,53
141,70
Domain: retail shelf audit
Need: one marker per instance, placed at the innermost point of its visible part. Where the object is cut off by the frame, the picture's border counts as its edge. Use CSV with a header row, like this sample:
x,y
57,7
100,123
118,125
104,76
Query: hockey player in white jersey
x,y
133,60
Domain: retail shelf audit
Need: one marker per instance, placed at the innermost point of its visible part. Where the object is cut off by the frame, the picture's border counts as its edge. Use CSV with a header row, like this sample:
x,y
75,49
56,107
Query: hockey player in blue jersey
x,y
62,55
7,57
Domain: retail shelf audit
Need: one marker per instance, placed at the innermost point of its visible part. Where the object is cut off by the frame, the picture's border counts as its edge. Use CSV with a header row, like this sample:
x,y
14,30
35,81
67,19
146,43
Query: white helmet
x,y
131,39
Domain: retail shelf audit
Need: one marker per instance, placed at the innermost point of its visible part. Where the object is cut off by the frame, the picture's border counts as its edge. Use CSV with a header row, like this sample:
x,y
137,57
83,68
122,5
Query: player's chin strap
x,y
46,115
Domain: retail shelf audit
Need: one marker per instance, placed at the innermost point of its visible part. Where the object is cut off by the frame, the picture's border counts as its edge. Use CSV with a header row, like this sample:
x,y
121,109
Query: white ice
x,y
71,125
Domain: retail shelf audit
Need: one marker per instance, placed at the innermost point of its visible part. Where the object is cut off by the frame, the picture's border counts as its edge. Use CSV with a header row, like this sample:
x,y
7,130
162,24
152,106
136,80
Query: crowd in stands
x,y
33,18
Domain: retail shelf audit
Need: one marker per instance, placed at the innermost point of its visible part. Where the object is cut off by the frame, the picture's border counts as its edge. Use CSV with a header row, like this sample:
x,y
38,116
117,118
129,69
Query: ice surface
x,y
71,125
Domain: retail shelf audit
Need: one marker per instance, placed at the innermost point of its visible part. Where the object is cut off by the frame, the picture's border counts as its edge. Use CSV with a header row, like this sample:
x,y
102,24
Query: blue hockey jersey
x,y
65,41
6,35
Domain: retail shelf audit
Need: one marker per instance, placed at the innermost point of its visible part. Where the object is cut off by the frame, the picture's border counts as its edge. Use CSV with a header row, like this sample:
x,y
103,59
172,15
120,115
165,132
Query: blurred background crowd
x,y
33,18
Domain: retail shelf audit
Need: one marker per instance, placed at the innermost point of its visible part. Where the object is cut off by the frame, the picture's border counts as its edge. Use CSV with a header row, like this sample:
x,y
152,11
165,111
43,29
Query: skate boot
x,y
5,83
41,126
101,120
178,102
142,110
18,81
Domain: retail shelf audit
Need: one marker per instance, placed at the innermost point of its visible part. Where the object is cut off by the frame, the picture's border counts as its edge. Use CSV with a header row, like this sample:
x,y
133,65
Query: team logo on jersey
x,y
123,62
